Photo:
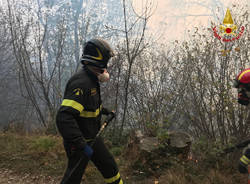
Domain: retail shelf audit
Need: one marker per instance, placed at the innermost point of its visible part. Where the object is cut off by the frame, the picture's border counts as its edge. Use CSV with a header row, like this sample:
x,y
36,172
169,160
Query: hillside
x,y
40,159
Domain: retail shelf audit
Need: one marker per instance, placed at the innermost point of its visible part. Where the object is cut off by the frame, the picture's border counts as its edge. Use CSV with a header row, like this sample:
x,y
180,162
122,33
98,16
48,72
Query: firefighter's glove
x,y
88,150
111,114
243,96
106,111
110,117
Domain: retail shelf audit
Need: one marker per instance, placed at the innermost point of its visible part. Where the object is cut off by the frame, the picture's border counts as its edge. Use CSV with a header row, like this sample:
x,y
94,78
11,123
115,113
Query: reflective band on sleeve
x,y
245,160
113,179
73,104
90,114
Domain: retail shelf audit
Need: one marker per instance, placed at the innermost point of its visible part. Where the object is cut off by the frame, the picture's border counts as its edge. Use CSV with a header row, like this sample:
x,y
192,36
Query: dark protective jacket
x,y
80,113
245,161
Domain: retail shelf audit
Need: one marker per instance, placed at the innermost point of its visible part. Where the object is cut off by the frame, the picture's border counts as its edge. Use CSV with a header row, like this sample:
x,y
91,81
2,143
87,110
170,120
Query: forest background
x,y
156,83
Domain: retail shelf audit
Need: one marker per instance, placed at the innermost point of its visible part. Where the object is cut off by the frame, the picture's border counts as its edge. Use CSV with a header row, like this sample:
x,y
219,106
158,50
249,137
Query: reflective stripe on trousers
x,y
114,180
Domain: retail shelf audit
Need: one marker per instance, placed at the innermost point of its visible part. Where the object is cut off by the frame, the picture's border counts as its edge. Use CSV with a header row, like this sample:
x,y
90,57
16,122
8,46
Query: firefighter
x,y
242,83
79,117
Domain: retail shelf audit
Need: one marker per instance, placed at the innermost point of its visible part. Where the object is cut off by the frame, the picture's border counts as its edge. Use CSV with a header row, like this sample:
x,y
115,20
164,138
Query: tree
x,y
208,102
37,70
43,33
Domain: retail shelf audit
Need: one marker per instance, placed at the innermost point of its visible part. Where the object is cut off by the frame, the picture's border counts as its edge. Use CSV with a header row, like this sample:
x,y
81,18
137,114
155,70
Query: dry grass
x,y
40,155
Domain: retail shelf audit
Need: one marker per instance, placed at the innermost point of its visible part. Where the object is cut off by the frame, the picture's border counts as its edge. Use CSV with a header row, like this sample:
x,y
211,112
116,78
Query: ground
x,y
41,159
11,177
8,176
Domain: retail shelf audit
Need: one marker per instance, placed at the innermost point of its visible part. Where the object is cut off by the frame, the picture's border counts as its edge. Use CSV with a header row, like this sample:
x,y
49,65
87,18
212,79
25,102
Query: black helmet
x,y
97,52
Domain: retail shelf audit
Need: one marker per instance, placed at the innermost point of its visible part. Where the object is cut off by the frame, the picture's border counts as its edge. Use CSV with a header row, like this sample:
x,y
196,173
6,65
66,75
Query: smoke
x,y
177,17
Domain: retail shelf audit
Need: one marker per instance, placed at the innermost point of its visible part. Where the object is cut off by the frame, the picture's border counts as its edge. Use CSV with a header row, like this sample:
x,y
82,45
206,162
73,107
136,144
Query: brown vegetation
x,y
40,159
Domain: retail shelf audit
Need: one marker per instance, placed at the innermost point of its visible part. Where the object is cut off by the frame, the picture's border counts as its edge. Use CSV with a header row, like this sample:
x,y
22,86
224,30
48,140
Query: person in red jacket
x,y
79,118
242,83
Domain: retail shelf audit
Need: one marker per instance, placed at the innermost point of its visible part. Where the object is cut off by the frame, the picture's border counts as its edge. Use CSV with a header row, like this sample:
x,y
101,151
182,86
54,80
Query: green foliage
x,y
152,128
43,143
116,150
158,130
205,146
208,153
163,135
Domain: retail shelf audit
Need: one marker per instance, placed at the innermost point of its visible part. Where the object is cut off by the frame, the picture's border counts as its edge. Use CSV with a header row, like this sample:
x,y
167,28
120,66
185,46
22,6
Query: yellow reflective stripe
x,y
243,73
91,114
245,160
113,179
121,182
73,104
99,57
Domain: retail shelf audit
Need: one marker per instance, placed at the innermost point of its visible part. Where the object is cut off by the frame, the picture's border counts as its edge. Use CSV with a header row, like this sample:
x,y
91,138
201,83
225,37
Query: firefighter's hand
x,y
88,150
112,114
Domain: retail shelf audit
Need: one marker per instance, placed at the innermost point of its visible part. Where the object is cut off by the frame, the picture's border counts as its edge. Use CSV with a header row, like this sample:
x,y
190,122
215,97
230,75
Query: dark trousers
x,y
78,161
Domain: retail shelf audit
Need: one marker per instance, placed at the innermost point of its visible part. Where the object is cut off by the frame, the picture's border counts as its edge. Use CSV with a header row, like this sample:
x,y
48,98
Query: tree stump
x,y
150,154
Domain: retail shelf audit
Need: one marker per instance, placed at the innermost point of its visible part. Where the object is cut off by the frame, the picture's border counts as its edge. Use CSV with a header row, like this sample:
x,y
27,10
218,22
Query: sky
x,y
173,18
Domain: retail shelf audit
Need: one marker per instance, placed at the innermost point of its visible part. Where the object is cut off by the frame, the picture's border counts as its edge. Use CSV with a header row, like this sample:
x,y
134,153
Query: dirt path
x,y
10,177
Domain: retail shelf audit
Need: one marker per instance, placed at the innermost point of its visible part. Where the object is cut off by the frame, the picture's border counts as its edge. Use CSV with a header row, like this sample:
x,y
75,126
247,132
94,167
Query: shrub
x,y
43,143
116,151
